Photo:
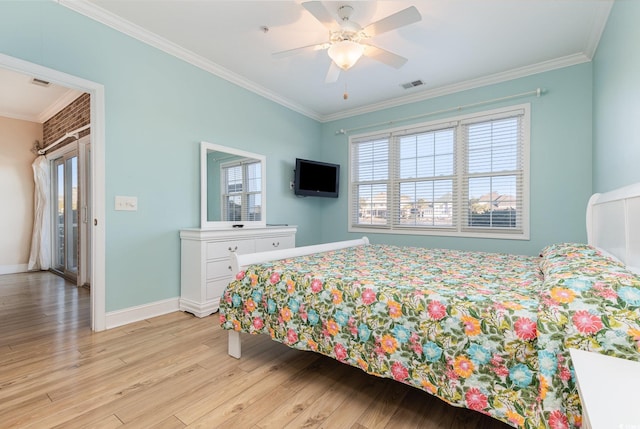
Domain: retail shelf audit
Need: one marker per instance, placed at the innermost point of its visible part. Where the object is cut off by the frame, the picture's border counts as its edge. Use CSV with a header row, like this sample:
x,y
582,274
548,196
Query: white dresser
x,y
206,260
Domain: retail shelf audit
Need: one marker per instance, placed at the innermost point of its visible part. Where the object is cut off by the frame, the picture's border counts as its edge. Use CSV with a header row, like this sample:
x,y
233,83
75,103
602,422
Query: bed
x,y
486,331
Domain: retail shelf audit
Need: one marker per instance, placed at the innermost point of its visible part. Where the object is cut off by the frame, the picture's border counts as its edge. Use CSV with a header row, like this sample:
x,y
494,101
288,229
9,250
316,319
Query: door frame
x,y
84,214
97,175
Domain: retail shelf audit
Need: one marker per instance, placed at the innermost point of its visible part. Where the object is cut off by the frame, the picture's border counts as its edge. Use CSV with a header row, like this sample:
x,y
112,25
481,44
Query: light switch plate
x,y
126,203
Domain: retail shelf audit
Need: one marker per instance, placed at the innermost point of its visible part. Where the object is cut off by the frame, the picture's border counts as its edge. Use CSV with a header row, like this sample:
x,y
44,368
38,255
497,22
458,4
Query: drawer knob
x,y
230,268
234,249
276,244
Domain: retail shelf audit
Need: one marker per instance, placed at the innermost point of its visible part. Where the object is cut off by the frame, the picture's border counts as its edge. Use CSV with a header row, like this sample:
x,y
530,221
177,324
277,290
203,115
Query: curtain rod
x,y
537,92
74,133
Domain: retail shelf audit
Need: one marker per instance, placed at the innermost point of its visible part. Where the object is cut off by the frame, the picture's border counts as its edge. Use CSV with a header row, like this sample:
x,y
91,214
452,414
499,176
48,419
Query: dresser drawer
x,y
222,249
274,243
219,268
216,287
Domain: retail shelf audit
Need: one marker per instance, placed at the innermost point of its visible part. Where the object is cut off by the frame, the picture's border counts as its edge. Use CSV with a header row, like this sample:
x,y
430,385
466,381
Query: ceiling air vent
x,y
40,82
412,84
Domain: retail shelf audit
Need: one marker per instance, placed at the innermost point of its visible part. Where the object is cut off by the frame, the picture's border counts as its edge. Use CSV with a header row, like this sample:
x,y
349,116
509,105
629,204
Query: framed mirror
x,y
232,187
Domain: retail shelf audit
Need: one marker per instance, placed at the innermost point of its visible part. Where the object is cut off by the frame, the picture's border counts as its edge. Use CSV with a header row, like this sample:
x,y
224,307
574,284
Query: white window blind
x,y
465,177
425,178
492,185
241,186
371,181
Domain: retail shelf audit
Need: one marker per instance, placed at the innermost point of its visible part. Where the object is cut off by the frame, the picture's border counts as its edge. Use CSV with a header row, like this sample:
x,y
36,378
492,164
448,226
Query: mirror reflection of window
x,y
241,190
235,195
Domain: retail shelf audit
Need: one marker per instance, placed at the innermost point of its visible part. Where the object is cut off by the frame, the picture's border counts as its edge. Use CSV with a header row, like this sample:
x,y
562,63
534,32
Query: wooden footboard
x,y
239,262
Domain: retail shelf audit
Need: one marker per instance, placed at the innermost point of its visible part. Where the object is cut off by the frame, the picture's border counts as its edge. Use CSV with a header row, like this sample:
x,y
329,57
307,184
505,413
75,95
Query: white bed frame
x,y
613,226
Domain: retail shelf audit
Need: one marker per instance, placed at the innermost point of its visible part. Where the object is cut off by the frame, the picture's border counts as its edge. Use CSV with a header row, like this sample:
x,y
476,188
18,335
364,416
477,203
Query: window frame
x,y
458,229
244,164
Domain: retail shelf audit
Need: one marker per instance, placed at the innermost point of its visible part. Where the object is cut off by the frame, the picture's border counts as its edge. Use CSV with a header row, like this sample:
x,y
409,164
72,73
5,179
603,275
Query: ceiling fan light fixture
x,y
345,53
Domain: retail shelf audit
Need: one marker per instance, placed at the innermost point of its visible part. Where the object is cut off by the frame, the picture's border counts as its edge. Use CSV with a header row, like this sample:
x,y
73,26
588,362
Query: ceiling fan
x,y
347,39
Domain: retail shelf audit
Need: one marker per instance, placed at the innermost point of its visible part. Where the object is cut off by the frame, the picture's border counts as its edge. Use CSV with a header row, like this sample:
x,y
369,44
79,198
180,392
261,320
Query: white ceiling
x,y
21,99
458,44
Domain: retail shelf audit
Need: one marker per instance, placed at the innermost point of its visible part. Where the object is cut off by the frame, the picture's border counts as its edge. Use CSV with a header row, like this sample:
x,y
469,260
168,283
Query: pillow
x,y
565,260
561,250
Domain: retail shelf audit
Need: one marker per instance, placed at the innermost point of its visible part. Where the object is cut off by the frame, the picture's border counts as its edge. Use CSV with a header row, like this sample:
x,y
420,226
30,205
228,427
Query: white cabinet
x,y
608,389
206,261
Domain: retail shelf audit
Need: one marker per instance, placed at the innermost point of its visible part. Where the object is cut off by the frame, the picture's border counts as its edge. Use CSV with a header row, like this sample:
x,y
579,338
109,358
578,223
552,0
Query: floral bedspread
x,y
589,302
484,331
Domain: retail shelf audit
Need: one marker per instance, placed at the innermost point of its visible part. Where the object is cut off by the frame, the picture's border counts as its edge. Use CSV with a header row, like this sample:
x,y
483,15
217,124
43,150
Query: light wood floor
x,y
173,372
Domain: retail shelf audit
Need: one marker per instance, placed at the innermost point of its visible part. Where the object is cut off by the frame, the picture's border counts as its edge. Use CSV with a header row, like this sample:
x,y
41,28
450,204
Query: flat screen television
x,y
316,179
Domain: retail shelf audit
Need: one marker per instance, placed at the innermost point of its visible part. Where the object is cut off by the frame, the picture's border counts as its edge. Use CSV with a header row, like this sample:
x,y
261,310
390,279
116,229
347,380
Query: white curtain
x,y
40,257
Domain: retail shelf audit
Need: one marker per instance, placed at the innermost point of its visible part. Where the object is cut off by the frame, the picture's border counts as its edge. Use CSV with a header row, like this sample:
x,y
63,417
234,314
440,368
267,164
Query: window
x,y
241,191
467,176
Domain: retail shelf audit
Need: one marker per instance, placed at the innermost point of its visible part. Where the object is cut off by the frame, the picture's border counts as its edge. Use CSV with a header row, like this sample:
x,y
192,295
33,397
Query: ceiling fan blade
x,y
333,74
319,12
399,19
386,57
295,51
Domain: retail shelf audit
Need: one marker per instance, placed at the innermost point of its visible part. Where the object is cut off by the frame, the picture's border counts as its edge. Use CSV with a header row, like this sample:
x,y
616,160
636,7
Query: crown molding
x,y
63,101
92,11
597,29
558,63
109,19
13,115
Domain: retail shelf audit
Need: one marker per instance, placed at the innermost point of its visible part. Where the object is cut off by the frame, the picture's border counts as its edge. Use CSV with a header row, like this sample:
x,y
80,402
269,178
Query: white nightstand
x,y
609,390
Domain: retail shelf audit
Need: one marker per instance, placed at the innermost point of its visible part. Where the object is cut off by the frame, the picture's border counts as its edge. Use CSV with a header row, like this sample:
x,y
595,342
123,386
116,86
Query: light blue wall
x,y
561,147
158,109
616,122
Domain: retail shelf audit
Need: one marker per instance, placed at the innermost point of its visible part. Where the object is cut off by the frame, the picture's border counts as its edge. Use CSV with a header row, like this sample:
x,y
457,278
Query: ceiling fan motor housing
x,y
345,11
349,30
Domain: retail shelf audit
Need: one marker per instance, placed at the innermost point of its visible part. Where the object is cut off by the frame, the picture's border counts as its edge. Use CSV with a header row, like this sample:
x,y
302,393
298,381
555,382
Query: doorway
x,y
96,179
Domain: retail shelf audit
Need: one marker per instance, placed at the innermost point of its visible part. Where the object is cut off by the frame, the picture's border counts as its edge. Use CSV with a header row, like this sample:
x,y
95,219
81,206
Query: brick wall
x,y
72,117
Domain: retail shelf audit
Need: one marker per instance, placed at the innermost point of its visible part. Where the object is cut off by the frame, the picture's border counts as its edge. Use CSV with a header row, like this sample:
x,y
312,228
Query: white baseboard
x,y
13,269
141,312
